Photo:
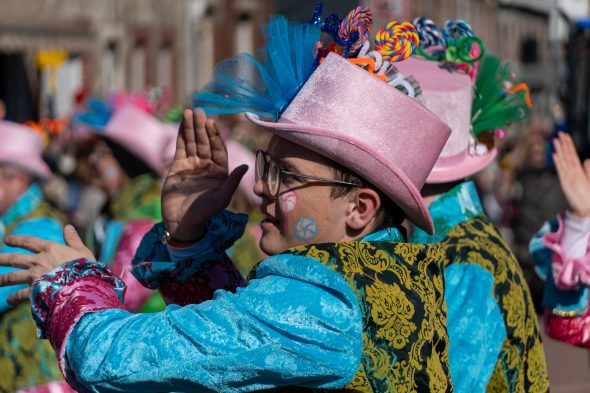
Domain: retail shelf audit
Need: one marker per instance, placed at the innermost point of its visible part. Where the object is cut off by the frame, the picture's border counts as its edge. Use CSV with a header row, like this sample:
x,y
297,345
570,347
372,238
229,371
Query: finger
x,y
20,297
218,148
180,139
230,185
558,165
72,238
15,277
587,168
30,243
570,150
15,259
188,132
203,147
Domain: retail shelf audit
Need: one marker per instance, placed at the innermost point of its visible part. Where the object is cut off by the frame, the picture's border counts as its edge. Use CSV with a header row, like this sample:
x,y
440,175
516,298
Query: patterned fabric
x,y
46,287
399,288
493,329
51,387
261,337
568,312
151,265
521,364
568,273
25,360
561,303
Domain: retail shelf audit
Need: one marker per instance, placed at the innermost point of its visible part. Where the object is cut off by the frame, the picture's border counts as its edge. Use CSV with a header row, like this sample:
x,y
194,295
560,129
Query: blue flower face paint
x,y
305,229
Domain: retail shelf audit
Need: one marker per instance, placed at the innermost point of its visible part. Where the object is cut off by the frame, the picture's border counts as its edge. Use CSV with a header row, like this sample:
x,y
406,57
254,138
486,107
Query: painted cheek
x,y
305,229
287,202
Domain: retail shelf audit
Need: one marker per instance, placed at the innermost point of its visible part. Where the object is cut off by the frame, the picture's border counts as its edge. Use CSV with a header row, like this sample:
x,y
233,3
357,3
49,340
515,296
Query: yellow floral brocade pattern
x,y
400,291
521,365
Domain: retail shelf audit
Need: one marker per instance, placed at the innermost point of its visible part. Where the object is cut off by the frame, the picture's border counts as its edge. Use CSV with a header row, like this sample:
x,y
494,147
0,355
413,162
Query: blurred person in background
x,y
495,342
561,251
125,158
539,198
25,360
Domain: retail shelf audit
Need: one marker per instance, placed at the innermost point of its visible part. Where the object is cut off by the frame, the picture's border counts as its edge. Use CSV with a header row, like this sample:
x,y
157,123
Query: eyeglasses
x,y
272,175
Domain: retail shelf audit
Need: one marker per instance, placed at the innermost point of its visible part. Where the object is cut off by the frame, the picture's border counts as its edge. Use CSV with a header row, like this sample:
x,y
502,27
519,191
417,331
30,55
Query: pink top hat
x,y
449,94
21,146
140,133
350,116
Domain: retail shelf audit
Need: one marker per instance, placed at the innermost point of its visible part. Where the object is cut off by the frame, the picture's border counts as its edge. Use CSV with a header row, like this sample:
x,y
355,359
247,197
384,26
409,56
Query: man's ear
x,y
363,206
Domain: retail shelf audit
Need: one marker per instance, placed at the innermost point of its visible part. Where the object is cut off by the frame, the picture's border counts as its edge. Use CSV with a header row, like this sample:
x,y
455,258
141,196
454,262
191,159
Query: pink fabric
x,y
214,275
52,387
136,294
570,330
86,294
449,94
140,133
21,146
353,118
568,273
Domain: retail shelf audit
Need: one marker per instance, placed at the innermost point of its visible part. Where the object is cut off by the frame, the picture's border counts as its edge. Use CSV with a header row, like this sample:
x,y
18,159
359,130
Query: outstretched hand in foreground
x,y
47,256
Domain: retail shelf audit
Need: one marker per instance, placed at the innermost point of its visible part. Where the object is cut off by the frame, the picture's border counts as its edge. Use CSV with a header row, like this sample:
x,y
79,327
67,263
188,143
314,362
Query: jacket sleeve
x,y
260,337
191,275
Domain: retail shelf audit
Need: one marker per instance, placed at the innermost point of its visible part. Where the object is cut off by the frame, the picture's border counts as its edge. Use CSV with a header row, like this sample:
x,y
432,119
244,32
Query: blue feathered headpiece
x,y
264,86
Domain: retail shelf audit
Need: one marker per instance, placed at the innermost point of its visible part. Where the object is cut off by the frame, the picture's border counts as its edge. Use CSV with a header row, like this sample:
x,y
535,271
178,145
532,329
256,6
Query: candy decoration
x,y
428,33
359,20
454,29
397,41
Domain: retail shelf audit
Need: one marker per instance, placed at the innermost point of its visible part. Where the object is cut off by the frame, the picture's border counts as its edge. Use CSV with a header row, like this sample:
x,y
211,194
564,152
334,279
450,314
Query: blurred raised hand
x,y
47,256
198,184
574,177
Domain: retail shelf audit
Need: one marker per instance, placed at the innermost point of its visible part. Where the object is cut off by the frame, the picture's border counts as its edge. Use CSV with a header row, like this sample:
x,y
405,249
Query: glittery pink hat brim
x,y
469,166
360,158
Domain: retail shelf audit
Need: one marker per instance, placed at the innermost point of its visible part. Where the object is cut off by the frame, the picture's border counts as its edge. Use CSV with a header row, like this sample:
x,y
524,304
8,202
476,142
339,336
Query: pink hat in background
x,y
21,146
448,92
350,116
140,133
238,155
171,130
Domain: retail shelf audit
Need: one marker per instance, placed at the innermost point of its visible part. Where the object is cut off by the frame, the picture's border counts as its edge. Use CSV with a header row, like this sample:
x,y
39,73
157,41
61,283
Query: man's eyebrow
x,y
284,164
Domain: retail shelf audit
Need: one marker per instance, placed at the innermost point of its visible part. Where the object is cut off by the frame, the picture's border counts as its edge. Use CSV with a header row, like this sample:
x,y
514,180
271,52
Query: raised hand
x,y
573,176
198,184
48,255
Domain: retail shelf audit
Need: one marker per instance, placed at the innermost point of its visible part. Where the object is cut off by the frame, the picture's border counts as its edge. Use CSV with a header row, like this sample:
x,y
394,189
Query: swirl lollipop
x,y
454,29
360,21
397,41
428,33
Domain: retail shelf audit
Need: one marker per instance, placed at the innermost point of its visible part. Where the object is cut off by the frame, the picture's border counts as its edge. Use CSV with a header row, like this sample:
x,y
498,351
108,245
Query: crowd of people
x,y
312,223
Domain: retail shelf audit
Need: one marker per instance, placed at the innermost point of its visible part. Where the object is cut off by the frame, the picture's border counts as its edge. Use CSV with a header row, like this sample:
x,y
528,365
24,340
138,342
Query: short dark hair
x,y
389,213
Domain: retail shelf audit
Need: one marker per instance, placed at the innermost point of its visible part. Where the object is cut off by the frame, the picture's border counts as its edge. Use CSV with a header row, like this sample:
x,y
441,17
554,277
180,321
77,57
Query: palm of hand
x,y
573,177
198,184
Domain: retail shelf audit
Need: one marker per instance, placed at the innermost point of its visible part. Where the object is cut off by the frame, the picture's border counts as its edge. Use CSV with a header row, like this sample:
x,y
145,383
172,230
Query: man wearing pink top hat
x,y
493,330
341,303
24,360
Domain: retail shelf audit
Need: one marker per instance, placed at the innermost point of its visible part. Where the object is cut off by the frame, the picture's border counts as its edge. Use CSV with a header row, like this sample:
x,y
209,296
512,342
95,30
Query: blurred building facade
x,y
112,45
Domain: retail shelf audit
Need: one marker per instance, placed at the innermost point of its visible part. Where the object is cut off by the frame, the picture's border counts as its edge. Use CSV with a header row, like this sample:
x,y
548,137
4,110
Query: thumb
x,y
587,168
229,187
72,238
